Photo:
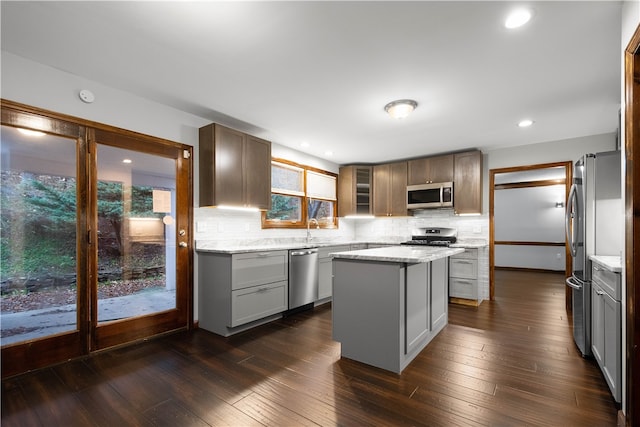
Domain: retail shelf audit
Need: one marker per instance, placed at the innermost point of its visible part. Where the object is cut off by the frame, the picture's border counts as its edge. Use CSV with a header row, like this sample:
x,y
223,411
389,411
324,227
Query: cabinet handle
x,y
261,290
599,292
464,262
263,254
598,268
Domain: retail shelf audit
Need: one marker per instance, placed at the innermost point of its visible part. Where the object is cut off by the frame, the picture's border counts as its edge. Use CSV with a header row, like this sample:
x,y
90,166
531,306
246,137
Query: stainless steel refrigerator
x,y
591,171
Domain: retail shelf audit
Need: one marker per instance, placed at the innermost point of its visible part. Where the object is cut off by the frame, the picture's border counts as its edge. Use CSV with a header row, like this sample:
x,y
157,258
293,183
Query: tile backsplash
x,y
225,225
469,227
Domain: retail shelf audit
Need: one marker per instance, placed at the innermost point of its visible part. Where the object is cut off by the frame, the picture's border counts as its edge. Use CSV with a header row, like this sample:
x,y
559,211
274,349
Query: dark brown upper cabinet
x,y
390,189
354,190
235,168
430,169
467,190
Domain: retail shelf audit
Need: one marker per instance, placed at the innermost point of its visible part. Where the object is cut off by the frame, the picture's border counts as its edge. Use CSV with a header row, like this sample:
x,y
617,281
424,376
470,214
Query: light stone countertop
x,y
470,243
238,247
611,263
408,254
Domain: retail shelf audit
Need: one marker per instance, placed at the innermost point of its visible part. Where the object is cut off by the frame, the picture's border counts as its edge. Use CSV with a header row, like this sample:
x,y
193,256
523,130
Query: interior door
x,y
140,239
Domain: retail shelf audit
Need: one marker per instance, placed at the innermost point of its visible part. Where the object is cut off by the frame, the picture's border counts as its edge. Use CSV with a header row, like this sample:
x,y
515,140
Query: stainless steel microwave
x,y
425,196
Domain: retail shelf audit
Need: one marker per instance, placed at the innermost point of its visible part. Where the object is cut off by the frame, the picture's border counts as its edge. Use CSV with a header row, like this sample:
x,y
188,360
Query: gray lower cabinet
x,y
325,271
463,275
606,326
385,313
237,290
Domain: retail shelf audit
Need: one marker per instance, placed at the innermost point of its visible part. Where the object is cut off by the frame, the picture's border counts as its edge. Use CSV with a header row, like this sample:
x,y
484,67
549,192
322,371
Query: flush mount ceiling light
x,y
525,123
517,18
401,108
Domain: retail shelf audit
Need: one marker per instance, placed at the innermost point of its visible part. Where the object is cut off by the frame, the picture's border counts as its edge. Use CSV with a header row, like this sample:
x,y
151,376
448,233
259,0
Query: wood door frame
x,y
492,185
16,358
631,358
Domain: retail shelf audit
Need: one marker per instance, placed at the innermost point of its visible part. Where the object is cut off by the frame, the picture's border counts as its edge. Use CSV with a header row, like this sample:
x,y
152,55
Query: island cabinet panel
x,y
467,183
439,294
417,313
366,310
427,170
355,190
390,189
385,313
239,291
235,168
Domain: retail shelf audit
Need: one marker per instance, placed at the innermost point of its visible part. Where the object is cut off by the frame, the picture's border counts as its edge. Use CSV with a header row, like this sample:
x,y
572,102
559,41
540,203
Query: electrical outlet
x,y
477,229
559,256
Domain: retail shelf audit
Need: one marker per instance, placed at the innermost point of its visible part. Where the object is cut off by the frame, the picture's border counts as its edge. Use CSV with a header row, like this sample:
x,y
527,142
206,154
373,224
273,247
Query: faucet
x,y
309,231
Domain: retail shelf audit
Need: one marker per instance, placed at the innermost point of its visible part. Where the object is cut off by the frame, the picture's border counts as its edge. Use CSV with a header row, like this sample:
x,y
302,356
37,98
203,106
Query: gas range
x,y
432,236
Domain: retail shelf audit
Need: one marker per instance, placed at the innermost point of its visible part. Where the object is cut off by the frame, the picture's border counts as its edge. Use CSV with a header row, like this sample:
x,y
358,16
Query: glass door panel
x,y
38,214
136,199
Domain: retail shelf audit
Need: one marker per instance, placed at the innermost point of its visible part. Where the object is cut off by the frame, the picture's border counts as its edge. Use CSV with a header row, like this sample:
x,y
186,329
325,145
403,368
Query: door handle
x,y
569,224
183,244
572,284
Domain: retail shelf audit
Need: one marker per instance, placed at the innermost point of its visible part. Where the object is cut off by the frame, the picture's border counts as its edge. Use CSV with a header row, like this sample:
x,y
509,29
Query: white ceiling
x,y
321,72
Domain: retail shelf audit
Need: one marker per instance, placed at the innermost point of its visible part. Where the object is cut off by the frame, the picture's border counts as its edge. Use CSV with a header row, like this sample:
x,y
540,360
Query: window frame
x,y
302,223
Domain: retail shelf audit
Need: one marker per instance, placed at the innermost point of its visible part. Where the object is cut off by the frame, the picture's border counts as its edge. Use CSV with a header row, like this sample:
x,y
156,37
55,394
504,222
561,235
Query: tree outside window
x,y
299,193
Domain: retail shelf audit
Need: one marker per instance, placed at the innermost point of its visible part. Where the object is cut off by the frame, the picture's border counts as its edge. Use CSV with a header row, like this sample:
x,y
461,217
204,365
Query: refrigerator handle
x,y
572,283
568,215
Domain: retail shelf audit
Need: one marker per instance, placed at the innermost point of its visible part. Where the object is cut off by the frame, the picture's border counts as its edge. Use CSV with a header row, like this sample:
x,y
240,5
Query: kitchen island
x,y
389,303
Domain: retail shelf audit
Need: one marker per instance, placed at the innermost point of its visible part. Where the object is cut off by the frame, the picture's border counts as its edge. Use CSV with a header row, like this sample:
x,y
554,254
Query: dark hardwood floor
x,y
509,362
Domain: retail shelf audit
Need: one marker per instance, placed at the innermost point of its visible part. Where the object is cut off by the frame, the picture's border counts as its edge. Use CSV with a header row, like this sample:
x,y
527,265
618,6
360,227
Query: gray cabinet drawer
x,y
463,288
467,254
608,280
258,302
257,268
463,268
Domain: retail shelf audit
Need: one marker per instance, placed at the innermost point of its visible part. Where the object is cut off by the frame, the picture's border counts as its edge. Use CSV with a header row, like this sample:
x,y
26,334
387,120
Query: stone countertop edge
x,y
611,263
236,249
470,244
405,254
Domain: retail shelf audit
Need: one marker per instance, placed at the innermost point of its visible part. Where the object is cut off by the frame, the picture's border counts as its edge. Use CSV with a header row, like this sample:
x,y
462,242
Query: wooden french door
x,y
140,255
96,237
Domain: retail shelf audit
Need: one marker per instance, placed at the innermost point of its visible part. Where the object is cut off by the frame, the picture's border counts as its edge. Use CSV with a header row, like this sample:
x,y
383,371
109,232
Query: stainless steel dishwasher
x,y
303,278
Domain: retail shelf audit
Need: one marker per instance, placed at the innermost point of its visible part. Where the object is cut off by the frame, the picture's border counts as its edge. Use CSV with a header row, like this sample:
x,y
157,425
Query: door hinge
x,y
89,237
186,154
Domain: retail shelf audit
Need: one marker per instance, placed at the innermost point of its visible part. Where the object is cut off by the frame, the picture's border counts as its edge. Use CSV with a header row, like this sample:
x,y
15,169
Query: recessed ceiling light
x,y
401,108
30,132
525,123
126,161
328,153
517,18
304,145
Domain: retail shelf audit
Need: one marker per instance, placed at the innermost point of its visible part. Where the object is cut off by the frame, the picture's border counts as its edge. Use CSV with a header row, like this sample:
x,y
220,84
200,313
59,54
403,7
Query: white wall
x,y
529,214
38,85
